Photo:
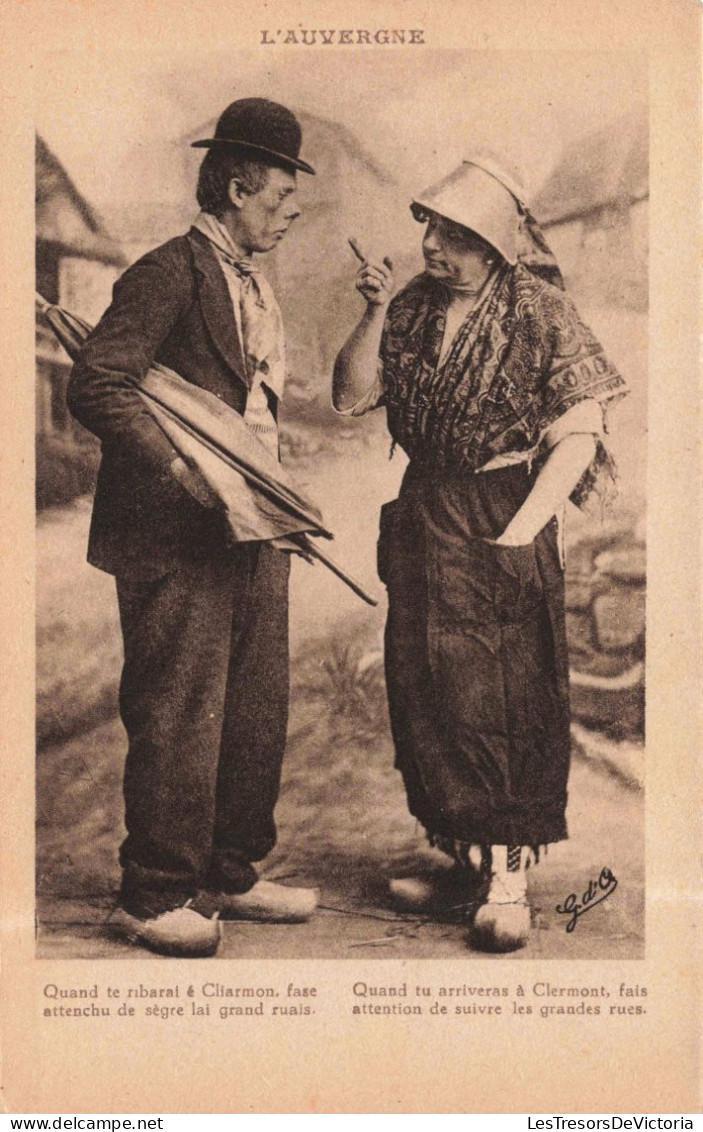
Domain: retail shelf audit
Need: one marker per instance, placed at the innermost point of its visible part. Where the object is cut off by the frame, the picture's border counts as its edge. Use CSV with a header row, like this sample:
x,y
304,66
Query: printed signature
x,y
597,891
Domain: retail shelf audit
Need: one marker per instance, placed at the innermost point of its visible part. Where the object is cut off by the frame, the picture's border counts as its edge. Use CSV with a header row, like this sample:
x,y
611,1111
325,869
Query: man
x,y
204,690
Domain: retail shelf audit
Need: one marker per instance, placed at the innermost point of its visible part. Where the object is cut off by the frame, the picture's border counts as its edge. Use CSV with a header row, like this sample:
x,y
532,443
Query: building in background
x,y
595,208
76,264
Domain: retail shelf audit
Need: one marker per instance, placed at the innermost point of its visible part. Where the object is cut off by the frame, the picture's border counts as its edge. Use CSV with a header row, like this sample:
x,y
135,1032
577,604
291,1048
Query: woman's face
x,y
455,254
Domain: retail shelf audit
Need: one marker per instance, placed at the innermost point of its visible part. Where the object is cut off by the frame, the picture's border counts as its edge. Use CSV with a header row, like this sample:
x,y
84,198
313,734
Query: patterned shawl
x,y
521,358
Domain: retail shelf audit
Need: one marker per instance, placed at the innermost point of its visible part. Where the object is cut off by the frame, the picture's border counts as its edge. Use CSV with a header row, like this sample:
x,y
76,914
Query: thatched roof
x,y
608,167
63,215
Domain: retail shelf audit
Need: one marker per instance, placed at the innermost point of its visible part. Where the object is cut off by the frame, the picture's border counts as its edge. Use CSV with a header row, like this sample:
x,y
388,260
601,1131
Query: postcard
x,y
351,595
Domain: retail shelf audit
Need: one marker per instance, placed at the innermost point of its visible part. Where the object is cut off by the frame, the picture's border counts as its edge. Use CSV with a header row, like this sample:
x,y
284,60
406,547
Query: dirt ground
x,y
343,822
346,830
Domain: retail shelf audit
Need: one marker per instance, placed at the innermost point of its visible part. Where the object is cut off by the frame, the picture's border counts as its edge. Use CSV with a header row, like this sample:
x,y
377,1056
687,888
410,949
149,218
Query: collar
x,y
223,243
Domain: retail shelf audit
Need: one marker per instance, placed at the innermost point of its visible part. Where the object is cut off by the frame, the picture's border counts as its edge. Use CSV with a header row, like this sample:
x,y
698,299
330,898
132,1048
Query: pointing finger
x,y
357,250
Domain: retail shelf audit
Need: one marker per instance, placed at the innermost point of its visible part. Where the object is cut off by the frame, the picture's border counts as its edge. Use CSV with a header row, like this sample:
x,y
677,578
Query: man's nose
x,y
292,211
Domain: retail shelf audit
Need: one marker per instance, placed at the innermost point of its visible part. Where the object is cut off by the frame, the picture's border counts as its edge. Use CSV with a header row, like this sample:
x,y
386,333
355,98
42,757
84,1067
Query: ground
x,y
343,822
346,834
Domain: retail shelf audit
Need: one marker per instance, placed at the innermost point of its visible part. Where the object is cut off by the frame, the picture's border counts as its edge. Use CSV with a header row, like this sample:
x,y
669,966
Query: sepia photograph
x,y
341,442
351,579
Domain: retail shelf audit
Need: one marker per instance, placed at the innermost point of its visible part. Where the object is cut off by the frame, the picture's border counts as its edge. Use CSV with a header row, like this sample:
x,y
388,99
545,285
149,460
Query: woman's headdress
x,y
487,198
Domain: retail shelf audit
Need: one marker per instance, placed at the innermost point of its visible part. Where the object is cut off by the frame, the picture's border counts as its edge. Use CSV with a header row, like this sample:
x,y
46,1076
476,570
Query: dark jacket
x,y
173,307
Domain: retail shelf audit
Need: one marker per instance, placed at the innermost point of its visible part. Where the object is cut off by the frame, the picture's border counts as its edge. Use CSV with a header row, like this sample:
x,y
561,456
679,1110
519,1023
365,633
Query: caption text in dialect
x,y
222,1000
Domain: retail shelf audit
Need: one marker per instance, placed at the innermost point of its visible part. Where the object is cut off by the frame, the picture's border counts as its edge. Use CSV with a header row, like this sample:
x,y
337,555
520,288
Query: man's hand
x,y
193,483
374,280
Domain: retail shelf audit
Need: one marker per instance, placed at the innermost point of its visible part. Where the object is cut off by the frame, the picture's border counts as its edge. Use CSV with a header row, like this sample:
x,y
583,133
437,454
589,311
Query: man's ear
x,y
235,193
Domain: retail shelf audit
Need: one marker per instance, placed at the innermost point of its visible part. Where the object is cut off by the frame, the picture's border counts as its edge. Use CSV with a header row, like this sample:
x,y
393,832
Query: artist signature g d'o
x,y
597,891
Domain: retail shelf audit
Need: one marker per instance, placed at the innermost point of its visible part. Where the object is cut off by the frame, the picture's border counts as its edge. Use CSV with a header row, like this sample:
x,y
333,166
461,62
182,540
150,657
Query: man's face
x,y
262,219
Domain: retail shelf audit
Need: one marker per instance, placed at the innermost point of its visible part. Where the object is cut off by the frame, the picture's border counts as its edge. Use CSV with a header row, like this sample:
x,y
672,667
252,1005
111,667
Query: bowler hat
x,y
260,126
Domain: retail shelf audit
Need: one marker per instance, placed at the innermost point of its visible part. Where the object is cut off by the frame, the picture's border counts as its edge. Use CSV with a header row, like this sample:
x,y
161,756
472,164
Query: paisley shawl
x,y
521,359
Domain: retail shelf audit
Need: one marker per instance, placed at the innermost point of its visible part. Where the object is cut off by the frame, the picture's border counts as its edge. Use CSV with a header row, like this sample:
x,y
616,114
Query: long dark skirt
x,y
476,661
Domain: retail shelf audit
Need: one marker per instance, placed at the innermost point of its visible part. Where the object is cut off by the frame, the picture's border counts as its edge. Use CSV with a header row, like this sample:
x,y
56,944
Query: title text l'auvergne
x,y
351,37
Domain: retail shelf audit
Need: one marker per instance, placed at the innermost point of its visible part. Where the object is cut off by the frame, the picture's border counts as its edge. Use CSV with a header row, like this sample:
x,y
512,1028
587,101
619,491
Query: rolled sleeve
x,y
586,417
372,399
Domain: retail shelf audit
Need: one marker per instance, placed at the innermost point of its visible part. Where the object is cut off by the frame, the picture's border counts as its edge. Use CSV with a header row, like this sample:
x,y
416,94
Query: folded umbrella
x,y
258,500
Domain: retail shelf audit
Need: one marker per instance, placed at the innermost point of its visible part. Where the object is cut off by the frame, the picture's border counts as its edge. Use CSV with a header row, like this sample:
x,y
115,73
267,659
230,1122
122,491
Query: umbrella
x,y
257,498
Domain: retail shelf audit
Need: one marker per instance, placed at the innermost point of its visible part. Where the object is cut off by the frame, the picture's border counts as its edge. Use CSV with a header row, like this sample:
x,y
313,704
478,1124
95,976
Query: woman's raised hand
x,y
374,280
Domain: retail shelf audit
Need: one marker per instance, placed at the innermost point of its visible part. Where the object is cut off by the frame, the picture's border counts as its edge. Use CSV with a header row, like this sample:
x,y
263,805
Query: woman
x,y
495,390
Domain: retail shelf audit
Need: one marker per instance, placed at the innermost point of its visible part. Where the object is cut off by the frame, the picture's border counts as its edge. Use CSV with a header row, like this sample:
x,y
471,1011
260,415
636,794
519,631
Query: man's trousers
x,y
204,700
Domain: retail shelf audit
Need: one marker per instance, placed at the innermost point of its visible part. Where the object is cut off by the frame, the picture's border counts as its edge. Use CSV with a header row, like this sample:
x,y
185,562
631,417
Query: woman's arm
x,y
566,463
357,361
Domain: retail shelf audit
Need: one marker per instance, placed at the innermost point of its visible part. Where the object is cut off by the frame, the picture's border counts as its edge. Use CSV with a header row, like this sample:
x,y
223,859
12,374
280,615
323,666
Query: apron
x,y
476,660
